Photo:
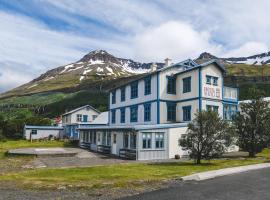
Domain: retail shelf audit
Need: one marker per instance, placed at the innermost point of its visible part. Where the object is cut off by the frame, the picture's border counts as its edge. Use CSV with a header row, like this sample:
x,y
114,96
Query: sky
x,y
38,35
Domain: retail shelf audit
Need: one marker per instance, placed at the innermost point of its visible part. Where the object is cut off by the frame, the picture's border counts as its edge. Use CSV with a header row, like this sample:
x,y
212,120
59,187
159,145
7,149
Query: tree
x,y
253,123
207,137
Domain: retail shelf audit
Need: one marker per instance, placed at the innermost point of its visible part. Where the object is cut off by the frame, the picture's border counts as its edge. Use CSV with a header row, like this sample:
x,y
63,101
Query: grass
x,y
117,176
17,163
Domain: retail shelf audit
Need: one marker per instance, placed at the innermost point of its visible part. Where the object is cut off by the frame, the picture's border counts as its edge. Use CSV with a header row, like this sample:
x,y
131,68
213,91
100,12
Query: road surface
x,y
252,185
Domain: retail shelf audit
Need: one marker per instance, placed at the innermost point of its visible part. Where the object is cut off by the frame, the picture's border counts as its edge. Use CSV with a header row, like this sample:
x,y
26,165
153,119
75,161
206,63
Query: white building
x,y
148,116
72,119
41,132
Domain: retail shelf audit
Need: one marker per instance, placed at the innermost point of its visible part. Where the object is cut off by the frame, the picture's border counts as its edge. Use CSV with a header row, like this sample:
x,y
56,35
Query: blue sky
x,y
38,35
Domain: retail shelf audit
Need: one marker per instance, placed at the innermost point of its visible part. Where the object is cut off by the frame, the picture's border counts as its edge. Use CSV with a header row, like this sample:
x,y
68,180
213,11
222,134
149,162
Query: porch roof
x,y
135,127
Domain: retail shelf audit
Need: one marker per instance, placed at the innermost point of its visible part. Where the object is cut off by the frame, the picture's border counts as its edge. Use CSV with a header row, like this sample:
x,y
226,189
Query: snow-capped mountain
x,y
98,63
259,59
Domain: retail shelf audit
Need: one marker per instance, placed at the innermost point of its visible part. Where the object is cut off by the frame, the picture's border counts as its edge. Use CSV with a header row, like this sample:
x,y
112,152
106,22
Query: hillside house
x,y
148,116
72,119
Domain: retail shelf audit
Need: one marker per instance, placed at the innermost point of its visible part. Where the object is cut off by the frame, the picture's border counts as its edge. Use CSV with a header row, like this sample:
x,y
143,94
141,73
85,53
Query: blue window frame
x,y
113,97
134,90
215,81
171,85
229,111
186,84
208,79
147,86
123,115
212,108
171,111
133,113
113,116
123,93
147,112
186,113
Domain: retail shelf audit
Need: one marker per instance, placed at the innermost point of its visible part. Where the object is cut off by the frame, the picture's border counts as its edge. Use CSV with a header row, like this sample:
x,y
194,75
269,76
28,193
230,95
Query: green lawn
x,y
112,176
120,175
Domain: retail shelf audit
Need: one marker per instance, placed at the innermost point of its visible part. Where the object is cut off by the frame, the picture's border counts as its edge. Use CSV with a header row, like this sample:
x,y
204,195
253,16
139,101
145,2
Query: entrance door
x,y
114,150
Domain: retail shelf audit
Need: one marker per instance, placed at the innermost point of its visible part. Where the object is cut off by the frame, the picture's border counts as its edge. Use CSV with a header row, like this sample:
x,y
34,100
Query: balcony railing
x,y
230,93
128,154
104,149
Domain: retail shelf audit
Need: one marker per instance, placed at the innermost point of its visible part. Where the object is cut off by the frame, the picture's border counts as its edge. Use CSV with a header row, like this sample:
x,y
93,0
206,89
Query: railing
x,y
128,154
230,93
104,149
85,145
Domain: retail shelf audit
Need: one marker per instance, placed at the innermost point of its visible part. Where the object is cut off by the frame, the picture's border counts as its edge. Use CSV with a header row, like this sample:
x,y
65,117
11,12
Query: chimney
x,y
168,62
153,67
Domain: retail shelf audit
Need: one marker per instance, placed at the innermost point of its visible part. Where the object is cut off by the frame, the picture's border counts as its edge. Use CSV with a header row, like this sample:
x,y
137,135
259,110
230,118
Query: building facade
x,y
42,132
72,119
148,116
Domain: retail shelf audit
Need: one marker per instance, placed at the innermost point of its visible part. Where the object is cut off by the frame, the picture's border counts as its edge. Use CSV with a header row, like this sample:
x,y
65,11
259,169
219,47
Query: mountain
x,y
259,59
93,69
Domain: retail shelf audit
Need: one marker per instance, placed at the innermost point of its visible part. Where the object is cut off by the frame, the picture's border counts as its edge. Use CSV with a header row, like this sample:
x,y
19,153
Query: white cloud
x,y
247,49
175,39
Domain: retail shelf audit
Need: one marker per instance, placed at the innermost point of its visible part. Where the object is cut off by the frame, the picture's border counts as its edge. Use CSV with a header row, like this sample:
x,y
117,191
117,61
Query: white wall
x,y
42,133
174,136
72,118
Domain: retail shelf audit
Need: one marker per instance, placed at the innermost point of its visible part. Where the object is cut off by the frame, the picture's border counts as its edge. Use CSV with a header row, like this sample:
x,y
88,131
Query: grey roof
x,y
43,127
80,108
187,65
137,127
102,118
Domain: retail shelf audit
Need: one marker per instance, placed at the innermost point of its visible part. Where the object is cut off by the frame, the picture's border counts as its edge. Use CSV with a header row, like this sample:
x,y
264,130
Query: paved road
x,y
253,185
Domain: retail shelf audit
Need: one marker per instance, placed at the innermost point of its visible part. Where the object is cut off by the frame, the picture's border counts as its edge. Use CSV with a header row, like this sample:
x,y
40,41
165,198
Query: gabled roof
x,y
80,108
214,61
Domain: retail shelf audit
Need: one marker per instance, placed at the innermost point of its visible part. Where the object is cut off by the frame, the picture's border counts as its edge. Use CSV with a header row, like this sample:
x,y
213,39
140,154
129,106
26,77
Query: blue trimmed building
x,y
148,116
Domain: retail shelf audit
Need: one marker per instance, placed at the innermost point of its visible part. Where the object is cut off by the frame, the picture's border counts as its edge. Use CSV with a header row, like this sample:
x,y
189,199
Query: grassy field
x,y
18,163
112,176
115,176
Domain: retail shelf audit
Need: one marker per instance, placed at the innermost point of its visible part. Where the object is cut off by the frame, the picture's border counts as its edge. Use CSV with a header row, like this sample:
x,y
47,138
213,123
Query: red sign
x,y
211,92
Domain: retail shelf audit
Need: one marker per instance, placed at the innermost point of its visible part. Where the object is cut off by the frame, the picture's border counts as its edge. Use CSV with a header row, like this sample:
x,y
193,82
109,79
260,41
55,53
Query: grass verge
x,y
117,176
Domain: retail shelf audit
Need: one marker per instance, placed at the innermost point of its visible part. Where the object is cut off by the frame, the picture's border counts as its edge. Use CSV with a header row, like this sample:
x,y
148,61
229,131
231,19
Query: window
x,y
134,114
33,132
104,135
159,137
94,117
114,138
98,137
208,79
113,97
186,84
85,118
123,115
186,113
171,85
123,94
147,112
133,140
229,111
79,117
126,139
113,116
215,81
134,90
108,139
212,108
171,111
147,139
147,85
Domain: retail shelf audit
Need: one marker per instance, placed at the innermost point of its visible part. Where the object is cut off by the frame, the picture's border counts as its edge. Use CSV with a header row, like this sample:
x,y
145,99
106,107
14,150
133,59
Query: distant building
x,y
148,116
42,132
72,119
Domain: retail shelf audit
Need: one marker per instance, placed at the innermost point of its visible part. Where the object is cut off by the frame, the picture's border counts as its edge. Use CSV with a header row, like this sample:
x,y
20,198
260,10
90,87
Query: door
x,y
114,142
85,118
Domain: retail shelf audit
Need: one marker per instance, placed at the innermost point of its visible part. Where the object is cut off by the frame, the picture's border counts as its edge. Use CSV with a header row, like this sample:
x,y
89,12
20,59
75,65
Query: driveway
x,y
253,185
